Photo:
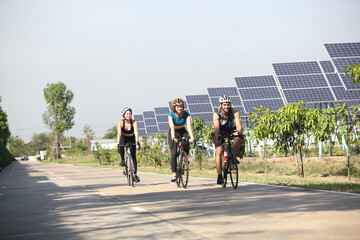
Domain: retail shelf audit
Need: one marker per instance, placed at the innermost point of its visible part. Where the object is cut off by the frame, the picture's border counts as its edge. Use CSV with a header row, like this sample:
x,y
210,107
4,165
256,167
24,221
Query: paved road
x,y
50,201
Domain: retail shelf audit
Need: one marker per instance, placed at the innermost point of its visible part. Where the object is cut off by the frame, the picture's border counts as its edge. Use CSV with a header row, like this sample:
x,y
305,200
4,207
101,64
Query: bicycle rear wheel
x,y
184,169
234,174
178,171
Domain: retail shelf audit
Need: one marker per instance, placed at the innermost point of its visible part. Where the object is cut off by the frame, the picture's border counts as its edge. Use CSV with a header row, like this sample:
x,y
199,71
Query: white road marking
x,y
139,209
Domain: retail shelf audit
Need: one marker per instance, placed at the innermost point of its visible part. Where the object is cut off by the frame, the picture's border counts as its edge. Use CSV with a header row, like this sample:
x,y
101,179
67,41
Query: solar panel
x,y
309,95
142,132
217,92
149,114
274,104
259,93
163,127
340,63
334,80
138,118
150,122
257,81
302,81
152,130
200,108
338,50
342,94
162,110
208,117
327,66
162,118
141,125
296,68
196,99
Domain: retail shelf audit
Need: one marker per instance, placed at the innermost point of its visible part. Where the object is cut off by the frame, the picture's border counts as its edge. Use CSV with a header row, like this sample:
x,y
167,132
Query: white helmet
x,y
125,110
224,99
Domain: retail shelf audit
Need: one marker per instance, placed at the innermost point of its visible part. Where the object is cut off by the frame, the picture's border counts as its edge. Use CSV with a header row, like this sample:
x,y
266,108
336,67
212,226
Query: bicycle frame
x,y
129,164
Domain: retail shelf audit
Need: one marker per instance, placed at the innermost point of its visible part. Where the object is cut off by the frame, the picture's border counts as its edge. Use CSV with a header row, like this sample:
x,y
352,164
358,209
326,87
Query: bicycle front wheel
x,y
184,169
234,174
225,170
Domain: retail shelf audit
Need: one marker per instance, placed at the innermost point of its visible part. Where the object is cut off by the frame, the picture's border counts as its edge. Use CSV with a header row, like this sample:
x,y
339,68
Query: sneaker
x,y
122,163
173,180
220,180
136,178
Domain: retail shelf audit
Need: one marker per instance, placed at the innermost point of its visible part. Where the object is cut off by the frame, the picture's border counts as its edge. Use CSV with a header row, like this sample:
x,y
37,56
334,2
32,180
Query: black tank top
x,y
226,124
123,130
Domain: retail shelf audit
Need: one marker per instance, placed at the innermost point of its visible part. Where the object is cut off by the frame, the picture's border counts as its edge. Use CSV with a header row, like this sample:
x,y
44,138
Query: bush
x,y
5,156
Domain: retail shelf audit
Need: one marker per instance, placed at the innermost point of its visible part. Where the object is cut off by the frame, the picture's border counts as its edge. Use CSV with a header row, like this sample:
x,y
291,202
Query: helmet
x,y
224,99
125,110
177,102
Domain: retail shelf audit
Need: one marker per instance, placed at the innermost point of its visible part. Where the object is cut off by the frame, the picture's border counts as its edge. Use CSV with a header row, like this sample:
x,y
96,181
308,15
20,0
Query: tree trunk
x,y
302,164
266,166
296,163
57,147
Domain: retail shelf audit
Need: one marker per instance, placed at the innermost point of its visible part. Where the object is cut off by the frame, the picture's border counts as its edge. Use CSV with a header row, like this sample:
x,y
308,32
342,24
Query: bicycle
x,y
182,168
229,166
129,170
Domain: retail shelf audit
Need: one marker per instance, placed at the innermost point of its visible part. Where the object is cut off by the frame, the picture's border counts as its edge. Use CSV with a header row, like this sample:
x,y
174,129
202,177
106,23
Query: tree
x,y
4,127
39,142
17,146
348,121
111,133
354,72
89,135
197,125
262,123
59,115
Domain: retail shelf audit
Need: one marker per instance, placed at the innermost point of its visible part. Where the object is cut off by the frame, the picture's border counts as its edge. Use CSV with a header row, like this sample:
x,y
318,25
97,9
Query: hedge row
x,y
5,156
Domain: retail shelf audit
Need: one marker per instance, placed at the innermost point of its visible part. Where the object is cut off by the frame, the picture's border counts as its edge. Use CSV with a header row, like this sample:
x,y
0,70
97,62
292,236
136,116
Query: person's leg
x,y
122,151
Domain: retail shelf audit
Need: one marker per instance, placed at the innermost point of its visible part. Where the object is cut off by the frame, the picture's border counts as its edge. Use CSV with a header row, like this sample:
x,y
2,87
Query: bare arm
x,y
216,127
237,121
190,129
119,132
136,132
172,128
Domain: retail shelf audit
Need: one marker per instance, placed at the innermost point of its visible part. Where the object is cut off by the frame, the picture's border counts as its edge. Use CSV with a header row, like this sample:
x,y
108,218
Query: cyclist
x,y
127,131
226,119
177,119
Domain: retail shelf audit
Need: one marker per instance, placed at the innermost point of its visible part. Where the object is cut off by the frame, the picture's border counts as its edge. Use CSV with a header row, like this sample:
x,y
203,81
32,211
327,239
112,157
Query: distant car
x,y
23,158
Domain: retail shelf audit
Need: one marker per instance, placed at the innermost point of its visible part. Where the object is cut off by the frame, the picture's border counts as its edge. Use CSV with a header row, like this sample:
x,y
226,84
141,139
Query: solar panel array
x,y
141,125
200,106
344,54
259,91
161,114
319,83
150,122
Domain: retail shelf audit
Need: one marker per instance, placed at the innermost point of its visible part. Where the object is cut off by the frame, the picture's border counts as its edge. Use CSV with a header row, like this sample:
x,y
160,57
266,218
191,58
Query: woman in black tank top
x,y
128,132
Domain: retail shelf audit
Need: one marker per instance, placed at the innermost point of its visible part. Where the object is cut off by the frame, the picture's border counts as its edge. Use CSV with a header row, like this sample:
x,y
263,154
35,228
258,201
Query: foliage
x,y
39,142
103,155
111,133
197,125
59,115
5,156
348,121
154,153
17,146
4,127
354,72
89,135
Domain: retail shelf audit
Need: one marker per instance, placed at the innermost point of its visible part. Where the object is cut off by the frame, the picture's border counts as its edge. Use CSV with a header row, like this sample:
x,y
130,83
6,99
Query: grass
x,y
328,173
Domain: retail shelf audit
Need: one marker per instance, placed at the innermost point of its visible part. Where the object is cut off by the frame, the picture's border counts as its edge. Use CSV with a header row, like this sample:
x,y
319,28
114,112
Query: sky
x,y
141,54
